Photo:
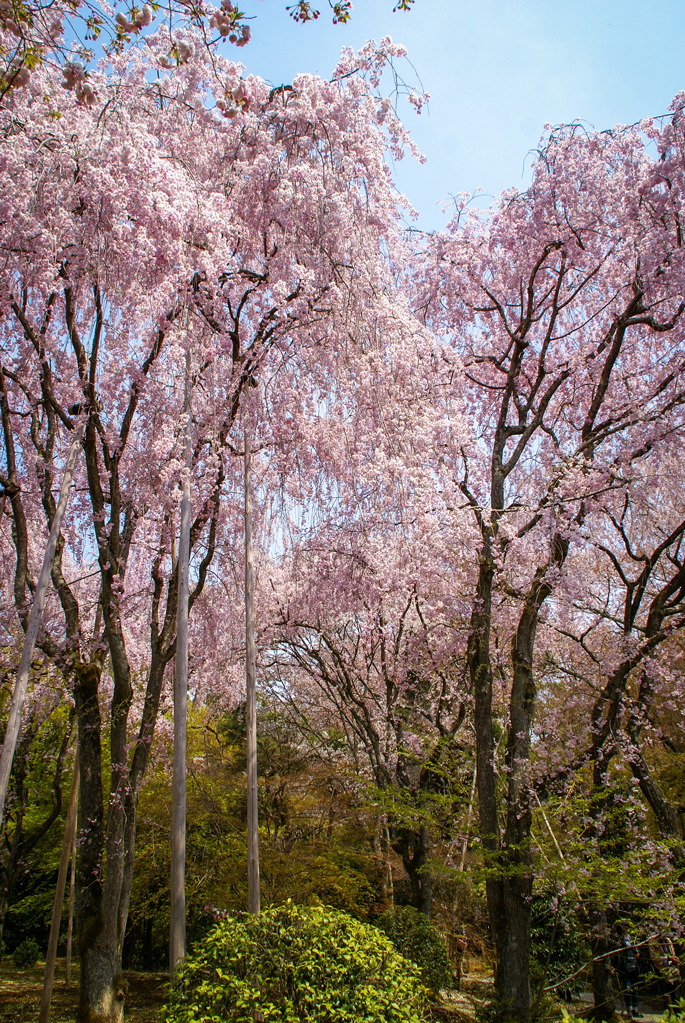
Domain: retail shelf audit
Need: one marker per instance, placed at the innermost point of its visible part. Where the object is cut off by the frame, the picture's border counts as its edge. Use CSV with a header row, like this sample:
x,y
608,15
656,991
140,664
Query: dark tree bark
x,y
602,987
414,848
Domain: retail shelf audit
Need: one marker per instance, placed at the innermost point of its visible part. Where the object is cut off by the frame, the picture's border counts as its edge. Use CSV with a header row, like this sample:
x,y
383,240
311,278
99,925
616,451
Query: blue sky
x,y
497,70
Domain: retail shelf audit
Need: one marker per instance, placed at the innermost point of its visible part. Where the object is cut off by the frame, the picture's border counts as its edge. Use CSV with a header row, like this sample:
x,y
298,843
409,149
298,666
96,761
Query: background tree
x,y
314,830
378,660
564,305
33,32
265,235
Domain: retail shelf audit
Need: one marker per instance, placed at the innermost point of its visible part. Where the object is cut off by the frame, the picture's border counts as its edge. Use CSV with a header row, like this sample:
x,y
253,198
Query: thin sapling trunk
x,y
49,977
177,937
251,705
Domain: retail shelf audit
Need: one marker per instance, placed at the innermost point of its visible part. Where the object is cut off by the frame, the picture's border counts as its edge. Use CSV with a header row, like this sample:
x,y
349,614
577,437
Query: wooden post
x,y
465,844
20,686
72,894
177,930
250,699
49,976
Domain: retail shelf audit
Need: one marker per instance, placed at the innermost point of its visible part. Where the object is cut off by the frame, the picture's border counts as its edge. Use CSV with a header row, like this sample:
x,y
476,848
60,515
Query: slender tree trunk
x,y
100,867
177,936
662,807
602,754
72,894
49,977
381,847
390,886
424,874
465,843
19,694
251,702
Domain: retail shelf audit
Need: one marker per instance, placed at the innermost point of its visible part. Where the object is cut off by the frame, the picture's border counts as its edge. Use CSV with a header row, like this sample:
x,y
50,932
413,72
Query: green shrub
x,y
560,927
26,955
416,939
295,963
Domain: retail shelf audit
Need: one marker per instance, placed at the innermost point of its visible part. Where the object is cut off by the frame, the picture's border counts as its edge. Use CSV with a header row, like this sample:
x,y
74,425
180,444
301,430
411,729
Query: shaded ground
x,y
477,988
20,992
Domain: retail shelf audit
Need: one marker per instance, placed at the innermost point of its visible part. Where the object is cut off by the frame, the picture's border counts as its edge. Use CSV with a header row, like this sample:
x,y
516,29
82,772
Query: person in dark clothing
x,y
626,967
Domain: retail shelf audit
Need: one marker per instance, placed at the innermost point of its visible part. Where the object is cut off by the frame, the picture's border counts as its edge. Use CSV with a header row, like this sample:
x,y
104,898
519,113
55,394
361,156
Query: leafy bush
x,y
26,955
558,943
674,1013
416,939
295,963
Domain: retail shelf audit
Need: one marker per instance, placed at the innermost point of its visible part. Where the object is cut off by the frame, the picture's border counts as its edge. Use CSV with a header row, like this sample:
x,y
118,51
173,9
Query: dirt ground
x,y
20,992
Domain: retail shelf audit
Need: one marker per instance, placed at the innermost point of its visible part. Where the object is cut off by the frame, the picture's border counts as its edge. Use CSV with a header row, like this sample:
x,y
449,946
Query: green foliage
x,y
26,955
416,939
295,963
314,837
30,851
674,1013
558,941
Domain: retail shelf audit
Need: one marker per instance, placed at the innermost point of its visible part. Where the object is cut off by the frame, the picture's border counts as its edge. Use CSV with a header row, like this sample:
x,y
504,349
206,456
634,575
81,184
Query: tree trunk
x,y
602,989
70,919
662,807
177,929
509,882
380,844
103,898
67,841
414,848
507,983
513,942
95,988
101,985
101,978
250,693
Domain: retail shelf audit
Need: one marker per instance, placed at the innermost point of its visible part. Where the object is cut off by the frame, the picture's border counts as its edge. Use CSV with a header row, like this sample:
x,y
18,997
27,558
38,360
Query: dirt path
x,y
20,992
